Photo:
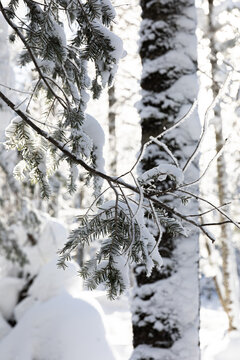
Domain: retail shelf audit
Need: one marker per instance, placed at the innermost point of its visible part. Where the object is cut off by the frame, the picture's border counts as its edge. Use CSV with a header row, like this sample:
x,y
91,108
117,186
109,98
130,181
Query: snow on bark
x,y
165,305
230,291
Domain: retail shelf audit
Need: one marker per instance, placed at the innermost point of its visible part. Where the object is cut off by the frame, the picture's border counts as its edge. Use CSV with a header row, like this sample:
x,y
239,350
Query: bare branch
x,y
104,176
220,223
212,205
19,91
164,146
208,211
180,121
205,123
215,157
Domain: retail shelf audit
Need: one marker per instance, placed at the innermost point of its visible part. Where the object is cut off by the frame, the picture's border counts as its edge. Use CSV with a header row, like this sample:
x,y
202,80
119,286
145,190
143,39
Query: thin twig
x,y
214,158
158,226
12,89
220,223
164,146
34,89
141,196
93,171
208,211
213,206
205,123
180,121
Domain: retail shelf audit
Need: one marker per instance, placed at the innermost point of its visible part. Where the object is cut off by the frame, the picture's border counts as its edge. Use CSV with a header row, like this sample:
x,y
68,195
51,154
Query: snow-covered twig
x,y
214,158
104,176
158,226
180,121
164,146
208,211
205,123
213,206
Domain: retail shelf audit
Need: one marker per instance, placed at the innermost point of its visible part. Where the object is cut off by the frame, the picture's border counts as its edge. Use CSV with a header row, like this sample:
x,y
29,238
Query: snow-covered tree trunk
x,y
229,297
112,130
166,304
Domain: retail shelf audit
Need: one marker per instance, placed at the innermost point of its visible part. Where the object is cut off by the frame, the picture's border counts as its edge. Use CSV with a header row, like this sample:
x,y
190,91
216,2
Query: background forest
x,y
119,162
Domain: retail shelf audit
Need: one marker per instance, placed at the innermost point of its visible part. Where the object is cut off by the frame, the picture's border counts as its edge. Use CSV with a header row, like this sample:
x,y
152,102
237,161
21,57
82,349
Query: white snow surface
x,y
216,342
161,172
9,286
53,321
61,328
5,328
95,132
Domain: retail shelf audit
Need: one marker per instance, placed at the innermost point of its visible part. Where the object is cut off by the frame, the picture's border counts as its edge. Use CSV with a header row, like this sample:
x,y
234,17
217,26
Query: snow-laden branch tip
x,y
113,180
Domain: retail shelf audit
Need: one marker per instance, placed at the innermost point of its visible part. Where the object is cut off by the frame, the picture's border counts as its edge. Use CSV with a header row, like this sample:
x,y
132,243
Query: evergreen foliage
x,y
124,239
74,55
61,64
9,247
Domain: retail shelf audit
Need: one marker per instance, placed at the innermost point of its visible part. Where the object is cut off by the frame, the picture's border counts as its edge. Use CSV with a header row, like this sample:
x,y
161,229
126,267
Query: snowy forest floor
x,y
216,343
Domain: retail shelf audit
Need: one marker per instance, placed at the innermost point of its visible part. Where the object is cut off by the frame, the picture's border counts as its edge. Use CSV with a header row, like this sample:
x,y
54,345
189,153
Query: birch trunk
x,y
228,299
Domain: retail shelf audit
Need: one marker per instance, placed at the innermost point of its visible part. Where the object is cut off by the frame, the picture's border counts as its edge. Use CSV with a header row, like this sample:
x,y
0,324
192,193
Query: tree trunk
x,y
112,131
166,304
228,299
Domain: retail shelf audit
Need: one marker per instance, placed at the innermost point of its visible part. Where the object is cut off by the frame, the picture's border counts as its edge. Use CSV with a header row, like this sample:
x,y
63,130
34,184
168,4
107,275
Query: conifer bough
x,y
61,64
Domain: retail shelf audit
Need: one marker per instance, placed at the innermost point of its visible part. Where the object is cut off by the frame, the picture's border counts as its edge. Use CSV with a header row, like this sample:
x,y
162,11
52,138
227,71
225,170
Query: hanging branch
x,y
118,223
93,171
34,60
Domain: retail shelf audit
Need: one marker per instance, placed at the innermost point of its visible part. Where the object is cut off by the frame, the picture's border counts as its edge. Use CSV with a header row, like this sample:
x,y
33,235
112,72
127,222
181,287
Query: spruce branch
x,y
95,172
119,224
30,52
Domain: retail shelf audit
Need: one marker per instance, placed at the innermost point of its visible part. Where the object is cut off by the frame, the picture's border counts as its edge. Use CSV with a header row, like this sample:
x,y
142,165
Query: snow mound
x,y
51,280
231,347
61,328
10,286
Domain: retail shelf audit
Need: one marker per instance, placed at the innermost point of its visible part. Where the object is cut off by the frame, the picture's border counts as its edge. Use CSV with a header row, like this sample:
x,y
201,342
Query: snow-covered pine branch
x,y
61,63
62,41
146,188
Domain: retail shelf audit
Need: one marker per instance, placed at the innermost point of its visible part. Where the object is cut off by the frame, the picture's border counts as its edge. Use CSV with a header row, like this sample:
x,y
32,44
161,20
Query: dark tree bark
x,y
165,305
112,130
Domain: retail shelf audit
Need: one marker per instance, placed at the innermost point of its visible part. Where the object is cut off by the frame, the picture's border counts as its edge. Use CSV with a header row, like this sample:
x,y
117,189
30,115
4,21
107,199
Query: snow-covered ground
x,y
117,321
57,319
216,342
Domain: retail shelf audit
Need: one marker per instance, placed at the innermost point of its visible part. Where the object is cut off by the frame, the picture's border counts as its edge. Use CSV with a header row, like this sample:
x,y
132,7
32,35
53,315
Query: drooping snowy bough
x,y
74,55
